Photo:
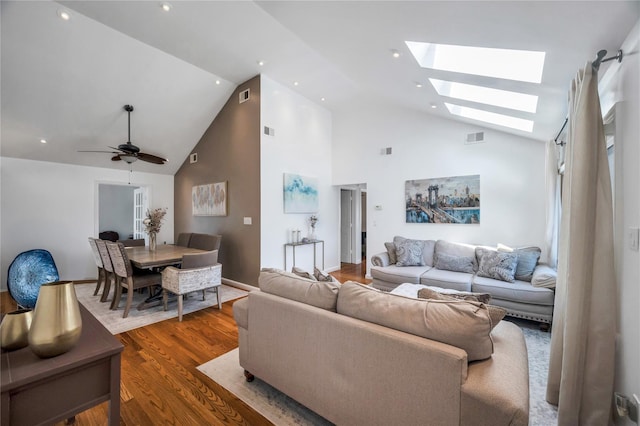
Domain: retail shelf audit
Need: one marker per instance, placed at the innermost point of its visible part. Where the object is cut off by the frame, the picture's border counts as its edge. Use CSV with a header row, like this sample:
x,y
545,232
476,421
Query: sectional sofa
x,y
514,278
358,355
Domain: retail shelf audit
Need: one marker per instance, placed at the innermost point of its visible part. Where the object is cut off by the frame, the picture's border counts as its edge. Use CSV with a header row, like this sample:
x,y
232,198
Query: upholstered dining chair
x,y
125,277
107,266
96,257
138,242
183,239
199,272
205,241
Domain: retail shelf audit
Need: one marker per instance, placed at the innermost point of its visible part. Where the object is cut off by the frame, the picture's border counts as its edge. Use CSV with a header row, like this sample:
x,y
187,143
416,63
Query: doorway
x,y
121,208
353,226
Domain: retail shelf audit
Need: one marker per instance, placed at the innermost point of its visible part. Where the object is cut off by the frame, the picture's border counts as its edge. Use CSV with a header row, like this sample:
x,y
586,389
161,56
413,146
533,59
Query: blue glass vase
x,y
28,271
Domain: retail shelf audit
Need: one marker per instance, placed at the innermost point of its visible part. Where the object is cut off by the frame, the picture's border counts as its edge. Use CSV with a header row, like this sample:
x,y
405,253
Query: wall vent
x,y
386,151
193,158
244,96
477,137
269,131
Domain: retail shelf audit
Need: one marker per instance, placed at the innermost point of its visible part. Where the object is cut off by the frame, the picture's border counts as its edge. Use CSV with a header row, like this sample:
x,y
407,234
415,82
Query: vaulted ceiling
x,y
66,81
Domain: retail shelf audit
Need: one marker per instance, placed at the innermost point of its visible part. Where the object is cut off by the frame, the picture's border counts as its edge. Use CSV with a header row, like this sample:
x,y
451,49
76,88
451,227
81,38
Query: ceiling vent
x,y
244,96
385,151
477,137
193,158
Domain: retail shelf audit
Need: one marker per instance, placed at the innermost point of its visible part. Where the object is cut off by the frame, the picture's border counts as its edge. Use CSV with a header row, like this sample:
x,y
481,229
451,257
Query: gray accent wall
x,y
116,209
228,151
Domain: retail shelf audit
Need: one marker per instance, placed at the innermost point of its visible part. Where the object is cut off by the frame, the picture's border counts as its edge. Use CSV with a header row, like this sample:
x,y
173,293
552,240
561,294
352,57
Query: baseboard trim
x,y
239,285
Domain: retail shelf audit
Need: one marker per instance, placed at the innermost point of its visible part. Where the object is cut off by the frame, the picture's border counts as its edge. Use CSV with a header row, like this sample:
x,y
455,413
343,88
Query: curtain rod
x,y
601,54
561,143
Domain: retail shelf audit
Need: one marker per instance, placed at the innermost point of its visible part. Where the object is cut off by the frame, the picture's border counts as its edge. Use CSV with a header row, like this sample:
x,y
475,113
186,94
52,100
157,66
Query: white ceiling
x,y
67,81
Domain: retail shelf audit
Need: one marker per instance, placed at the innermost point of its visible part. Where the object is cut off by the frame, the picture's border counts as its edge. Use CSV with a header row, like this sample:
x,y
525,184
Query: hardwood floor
x,y
353,272
160,383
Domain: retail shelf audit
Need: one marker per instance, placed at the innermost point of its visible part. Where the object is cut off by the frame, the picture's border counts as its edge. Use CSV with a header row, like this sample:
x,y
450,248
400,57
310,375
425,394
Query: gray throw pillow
x,y
320,276
302,273
409,253
527,260
455,263
428,293
391,251
497,265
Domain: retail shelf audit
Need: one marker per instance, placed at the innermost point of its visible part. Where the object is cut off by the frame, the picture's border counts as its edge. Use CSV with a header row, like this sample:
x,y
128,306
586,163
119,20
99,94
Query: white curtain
x,y
552,188
581,365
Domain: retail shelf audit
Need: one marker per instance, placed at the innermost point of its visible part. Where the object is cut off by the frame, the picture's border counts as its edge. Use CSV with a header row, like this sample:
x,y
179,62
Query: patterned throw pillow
x,y
455,263
409,253
497,265
527,260
320,276
427,293
302,273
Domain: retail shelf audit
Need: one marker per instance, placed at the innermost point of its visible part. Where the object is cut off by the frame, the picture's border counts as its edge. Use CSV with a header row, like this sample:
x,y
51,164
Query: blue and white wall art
x,y
300,194
454,199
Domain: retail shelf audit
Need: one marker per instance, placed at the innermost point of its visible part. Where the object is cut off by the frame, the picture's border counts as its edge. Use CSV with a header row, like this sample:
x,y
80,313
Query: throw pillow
x,y
527,260
291,286
497,265
496,313
302,273
449,262
391,250
409,253
427,293
320,276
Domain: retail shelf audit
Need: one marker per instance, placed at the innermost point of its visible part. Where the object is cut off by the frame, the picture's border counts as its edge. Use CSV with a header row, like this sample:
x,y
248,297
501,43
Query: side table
x,y
293,250
44,391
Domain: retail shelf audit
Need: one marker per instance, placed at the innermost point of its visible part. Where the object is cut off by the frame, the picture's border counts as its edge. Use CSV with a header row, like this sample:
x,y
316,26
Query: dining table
x,y
164,255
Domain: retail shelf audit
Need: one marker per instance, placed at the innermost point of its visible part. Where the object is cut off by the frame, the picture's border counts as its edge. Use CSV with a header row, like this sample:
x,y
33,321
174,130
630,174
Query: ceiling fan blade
x,y
117,149
151,158
107,152
116,158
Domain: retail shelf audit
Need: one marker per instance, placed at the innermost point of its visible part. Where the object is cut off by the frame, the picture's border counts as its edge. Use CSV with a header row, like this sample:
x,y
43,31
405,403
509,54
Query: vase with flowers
x,y
152,224
313,220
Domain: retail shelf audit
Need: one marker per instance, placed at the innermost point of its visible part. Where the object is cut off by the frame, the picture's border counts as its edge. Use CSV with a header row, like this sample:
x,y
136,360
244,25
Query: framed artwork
x,y
300,194
454,199
210,199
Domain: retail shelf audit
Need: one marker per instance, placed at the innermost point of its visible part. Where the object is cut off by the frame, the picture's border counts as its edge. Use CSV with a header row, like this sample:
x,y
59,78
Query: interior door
x,y
346,226
140,207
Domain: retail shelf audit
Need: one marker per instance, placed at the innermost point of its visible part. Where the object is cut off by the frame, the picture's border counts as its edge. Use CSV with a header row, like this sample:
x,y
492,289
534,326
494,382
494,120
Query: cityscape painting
x,y
454,199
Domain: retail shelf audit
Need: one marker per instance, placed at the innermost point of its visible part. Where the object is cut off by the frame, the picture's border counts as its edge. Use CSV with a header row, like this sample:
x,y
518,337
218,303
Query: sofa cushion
x,y
527,260
399,274
544,276
438,293
517,291
462,324
455,249
449,262
447,279
497,265
391,251
288,285
409,253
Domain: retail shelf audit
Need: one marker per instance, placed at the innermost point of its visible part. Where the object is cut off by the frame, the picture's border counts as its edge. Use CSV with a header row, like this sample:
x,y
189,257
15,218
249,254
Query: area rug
x,y
114,322
282,410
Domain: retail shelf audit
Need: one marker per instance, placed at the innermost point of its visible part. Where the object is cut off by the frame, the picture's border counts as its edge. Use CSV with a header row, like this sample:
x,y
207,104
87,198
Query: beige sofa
x,y
530,297
339,350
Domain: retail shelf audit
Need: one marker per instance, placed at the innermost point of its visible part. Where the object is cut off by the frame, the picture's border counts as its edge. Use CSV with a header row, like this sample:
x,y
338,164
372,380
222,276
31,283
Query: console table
x,y
293,250
44,391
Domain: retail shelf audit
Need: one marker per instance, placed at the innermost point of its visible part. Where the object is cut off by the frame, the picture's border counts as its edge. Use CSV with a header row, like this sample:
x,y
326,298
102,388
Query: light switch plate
x,y
247,221
634,236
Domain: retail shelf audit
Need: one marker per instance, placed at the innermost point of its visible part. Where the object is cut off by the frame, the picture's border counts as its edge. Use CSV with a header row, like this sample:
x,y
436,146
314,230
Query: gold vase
x,y
57,323
14,329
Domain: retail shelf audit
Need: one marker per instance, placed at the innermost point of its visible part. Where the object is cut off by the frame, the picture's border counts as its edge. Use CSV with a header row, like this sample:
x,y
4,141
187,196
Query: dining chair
x,y
138,242
98,260
183,239
199,271
107,265
205,241
126,278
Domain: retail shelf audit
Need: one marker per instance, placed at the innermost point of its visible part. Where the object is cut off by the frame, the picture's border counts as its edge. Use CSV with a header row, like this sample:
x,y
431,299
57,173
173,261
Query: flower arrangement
x,y
153,221
313,220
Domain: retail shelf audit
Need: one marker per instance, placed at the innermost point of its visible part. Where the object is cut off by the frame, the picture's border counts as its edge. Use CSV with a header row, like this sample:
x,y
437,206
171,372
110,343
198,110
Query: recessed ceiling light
x,y
43,141
217,81
295,83
486,95
418,85
261,63
322,99
166,6
491,117
63,14
395,53
520,65
432,105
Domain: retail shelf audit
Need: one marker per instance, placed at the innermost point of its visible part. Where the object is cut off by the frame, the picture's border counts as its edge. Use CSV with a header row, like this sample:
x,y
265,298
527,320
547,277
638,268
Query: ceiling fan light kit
x,y
128,152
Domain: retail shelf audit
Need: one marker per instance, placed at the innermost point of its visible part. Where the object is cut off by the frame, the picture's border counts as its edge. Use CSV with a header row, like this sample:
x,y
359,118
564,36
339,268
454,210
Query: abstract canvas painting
x,y
454,199
300,194
209,200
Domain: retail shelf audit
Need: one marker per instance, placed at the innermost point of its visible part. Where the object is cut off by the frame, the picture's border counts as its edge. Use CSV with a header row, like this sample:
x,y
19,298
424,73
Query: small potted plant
x,y
313,220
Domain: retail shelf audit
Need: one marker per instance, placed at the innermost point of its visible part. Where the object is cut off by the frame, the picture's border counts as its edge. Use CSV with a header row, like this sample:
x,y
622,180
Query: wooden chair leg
x,y
129,298
165,298
203,294
99,281
180,296
218,296
107,285
117,293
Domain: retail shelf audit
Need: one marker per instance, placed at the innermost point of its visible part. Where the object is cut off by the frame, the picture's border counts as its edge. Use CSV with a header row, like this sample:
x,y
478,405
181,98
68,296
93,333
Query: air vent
x,y
244,96
385,151
193,158
477,137
269,131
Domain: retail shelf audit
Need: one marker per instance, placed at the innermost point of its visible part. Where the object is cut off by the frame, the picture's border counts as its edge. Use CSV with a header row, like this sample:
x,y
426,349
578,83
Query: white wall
x,y
627,215
302,145
54,207
511,173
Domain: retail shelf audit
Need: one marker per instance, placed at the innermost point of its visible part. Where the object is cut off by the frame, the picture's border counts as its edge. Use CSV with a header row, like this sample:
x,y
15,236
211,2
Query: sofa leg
x,y
248,376
545,326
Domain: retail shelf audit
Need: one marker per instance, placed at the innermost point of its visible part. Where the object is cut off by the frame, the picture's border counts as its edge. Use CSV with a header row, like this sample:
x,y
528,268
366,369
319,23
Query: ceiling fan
x,y
128,152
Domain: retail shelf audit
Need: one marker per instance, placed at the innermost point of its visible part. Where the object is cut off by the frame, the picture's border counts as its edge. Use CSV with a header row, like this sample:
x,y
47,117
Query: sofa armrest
x,y
380,259
241,313
544,276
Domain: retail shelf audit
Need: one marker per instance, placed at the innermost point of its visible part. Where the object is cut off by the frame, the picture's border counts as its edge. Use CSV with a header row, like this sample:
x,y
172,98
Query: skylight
x,y
491,117
520,65
486,95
